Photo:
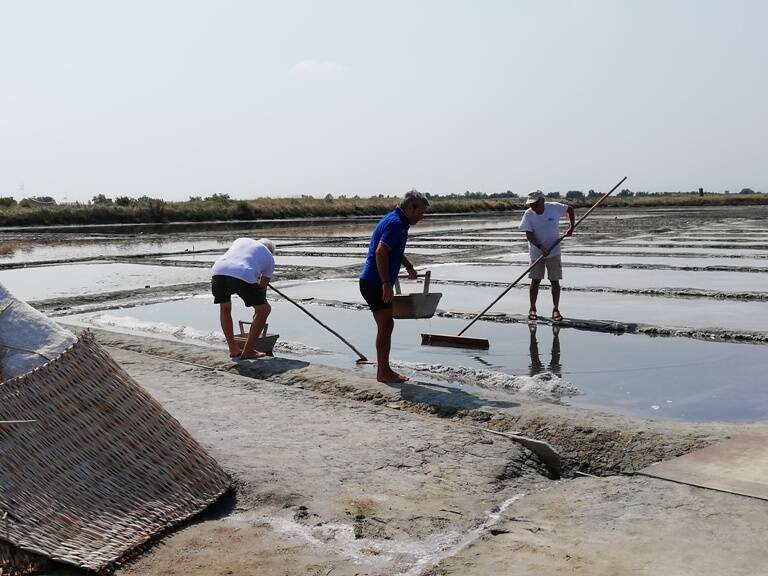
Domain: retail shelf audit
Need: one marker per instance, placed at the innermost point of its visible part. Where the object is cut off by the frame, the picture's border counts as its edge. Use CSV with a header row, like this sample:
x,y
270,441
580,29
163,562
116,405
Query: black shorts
x,y
224,286
371,292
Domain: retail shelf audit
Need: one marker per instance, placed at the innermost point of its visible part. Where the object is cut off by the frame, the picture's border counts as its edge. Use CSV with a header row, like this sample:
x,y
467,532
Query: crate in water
x,y
264,343
417,305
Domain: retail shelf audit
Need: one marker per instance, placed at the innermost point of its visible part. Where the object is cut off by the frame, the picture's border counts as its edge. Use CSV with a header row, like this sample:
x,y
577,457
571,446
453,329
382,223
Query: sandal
x,y
532,316
556,316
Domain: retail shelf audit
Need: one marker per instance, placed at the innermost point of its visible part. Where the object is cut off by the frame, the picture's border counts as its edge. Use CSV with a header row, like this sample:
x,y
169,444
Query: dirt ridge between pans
x,y
590,441
667,292
60,307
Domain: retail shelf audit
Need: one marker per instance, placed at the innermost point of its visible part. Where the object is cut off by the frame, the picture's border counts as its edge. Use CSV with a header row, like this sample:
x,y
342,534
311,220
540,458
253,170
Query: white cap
x,y
268,243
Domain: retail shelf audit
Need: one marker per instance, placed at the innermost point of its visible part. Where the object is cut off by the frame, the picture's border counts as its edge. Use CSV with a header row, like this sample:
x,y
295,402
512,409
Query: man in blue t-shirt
x,y
385,255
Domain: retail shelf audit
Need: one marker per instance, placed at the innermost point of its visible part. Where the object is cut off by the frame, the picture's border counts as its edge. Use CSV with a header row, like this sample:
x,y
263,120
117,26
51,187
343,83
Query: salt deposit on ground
x,y
297,348
543,385
157,328
186,333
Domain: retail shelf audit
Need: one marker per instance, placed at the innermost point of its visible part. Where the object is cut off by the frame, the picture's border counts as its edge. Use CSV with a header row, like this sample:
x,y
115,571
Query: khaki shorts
x,y
554,269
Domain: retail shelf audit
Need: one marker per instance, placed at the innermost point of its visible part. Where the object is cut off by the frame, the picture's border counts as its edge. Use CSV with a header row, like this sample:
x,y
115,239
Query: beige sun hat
x,y
534,197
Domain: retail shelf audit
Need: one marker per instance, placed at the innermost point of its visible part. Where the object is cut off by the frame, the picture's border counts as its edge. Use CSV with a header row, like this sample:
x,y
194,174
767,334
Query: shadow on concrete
x,y
446,399
223,507
264,368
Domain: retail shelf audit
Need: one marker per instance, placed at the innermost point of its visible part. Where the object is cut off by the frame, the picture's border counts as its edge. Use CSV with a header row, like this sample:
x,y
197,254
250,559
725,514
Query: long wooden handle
x,y
508,288
331,330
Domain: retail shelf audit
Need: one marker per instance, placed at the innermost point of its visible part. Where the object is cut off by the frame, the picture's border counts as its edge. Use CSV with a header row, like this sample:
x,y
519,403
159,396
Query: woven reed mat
x,y
103,469
15,562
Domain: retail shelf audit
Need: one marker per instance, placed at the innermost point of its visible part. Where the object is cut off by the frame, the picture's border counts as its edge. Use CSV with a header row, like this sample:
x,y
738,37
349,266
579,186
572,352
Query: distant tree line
x,y
218,206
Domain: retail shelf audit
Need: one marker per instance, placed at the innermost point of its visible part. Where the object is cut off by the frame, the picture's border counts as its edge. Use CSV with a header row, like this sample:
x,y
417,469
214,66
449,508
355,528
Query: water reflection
x,y
536,366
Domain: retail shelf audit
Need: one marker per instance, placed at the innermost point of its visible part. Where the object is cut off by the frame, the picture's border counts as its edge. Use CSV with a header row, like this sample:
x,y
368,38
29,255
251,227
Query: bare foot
x,y
391,377
234,353
252,355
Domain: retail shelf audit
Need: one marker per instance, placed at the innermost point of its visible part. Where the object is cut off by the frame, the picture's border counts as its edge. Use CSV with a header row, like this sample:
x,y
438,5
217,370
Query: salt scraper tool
x,y
360,358
459,341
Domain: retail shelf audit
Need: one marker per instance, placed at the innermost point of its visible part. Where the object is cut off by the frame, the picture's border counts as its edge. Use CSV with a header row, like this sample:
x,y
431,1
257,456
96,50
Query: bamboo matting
x,y
104,467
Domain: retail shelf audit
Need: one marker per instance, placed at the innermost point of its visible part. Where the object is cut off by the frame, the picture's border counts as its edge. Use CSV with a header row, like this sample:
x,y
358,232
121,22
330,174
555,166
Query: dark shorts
x,y
224,286
371,292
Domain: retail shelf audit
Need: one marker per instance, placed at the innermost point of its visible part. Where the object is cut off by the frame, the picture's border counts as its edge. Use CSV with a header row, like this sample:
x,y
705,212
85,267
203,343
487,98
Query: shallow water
x,y
423,244
673,378
757,247
45,282
65,247
649,260
627,308
749,237
678,251
280,260
620,278
618,380
356,248
63,250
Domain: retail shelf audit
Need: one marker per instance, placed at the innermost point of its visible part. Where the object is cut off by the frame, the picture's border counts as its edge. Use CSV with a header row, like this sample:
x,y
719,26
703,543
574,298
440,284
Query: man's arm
x,y
532,239
572,219
409,268
382,266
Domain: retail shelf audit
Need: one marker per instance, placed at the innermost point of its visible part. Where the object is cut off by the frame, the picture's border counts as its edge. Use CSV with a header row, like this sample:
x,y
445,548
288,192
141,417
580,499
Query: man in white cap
x,y
245,269
541,224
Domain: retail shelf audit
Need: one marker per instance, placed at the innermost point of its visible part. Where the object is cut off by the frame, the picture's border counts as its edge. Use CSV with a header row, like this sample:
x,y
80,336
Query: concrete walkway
x,y
330,485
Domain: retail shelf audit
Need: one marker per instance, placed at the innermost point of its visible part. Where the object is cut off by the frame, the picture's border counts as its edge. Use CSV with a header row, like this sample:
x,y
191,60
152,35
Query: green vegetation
x,y
220,207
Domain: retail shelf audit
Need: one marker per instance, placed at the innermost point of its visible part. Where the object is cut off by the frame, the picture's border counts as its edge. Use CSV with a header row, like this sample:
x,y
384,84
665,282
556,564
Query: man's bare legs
x,y
225,317
384,327
556,300
533,292
260,315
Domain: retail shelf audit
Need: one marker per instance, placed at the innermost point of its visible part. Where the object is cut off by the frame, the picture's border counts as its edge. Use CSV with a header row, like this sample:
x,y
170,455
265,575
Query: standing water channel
x,y
676,271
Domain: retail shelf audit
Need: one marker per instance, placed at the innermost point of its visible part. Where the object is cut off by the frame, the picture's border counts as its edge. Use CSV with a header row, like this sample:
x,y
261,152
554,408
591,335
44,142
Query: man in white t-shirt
x,y
245,269
541,224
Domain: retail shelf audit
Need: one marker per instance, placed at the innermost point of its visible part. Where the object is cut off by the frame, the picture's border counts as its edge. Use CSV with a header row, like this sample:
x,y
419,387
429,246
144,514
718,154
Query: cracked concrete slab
x,y
326,481
738,465
620,525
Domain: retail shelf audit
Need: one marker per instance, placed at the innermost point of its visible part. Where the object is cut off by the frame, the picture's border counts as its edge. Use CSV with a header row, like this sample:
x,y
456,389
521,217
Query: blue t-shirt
x,y
393,231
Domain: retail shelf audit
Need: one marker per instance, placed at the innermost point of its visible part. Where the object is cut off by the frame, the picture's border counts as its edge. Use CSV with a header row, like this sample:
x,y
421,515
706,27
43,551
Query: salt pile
x,y
28,339
546,385
130,324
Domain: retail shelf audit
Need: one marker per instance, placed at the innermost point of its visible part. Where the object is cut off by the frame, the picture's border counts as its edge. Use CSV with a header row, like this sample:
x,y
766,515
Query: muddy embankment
x,y
339,474
598,443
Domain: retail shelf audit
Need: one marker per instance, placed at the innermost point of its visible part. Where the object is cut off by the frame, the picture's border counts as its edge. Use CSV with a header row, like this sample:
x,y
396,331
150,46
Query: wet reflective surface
x,y
63,249
658,377
570,259
613,278
657,310
281,260
46,282
356,248
675,378
680,250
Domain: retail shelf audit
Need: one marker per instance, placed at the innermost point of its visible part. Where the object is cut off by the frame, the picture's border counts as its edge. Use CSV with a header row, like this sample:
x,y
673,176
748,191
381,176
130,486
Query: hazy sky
x,y
281,98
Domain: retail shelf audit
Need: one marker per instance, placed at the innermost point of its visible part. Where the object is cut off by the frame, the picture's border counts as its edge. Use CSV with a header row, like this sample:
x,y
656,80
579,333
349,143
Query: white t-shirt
x,y
246,259
545,226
